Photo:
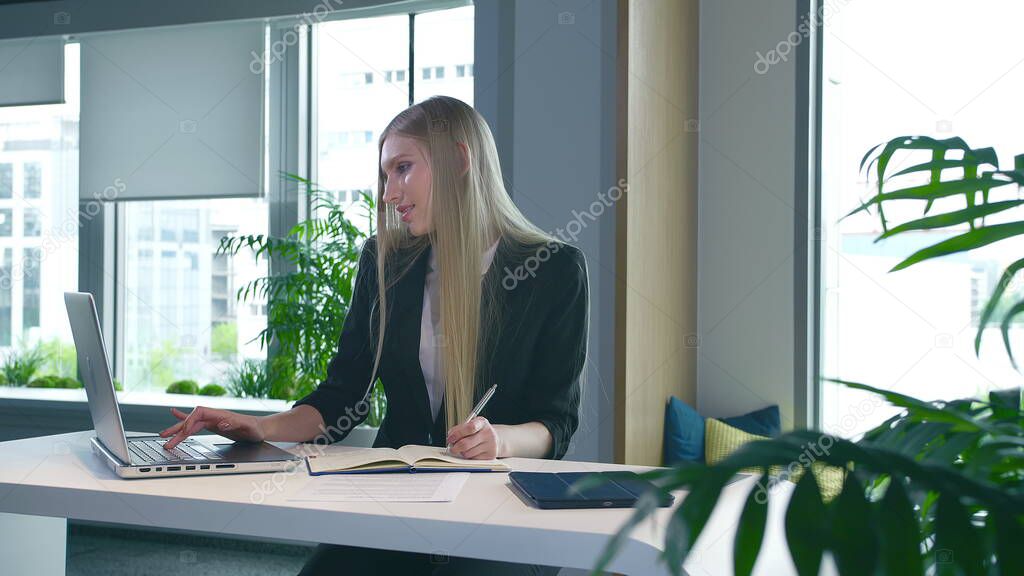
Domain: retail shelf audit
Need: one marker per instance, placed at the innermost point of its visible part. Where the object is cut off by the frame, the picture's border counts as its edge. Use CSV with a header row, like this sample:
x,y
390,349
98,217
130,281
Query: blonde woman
x,y
457,291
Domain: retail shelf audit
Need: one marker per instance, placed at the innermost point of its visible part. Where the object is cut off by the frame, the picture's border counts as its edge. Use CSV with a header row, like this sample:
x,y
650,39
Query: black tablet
x,y
553,490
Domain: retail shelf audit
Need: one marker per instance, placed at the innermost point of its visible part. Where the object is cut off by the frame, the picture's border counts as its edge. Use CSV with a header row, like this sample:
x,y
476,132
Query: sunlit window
x,y
352,114
891,69
39,222
182,321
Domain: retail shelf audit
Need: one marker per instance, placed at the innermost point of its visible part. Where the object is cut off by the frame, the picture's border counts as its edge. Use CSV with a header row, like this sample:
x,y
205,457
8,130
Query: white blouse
x,y
430,352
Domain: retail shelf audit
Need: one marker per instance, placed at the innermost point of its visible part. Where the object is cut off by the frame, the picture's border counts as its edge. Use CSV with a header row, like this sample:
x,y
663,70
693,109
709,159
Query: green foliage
x,y
940,482
160,363
183,387
378,405
53,381
971,177
60,358
224,339
212,390
20,366
118,386
307,296
249,380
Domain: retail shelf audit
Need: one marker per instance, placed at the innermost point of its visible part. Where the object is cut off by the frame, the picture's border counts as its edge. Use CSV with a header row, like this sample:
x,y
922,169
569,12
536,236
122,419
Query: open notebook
x,y
408,458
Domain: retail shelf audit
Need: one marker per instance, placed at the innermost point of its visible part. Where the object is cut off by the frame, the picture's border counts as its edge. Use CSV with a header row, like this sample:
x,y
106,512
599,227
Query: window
x,y
6,221
890,70
173,306
348,164
30,285
32,225
33,180
445,38
347,46
6,298
168,228
6,180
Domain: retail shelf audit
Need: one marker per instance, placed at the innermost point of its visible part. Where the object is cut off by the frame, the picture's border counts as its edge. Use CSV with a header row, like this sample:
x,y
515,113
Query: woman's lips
x,y
406,215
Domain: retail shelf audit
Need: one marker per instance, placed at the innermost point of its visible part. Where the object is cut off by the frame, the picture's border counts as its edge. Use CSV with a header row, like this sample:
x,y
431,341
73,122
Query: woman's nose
x,y
391,195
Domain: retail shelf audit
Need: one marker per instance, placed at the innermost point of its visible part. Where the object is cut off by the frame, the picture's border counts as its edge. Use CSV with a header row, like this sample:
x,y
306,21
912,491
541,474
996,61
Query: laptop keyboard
x,y
153,451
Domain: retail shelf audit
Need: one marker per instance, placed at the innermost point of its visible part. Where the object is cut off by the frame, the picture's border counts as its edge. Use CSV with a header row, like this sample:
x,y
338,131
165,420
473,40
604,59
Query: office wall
x,y
561,67
747,209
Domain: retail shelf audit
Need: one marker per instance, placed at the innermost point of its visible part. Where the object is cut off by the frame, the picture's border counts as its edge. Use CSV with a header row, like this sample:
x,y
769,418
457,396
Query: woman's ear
x,y
464,158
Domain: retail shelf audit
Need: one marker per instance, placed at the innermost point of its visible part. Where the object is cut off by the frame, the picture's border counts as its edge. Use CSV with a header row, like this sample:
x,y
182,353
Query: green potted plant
x,y
183,387
938,488
307,298
212,389
20,367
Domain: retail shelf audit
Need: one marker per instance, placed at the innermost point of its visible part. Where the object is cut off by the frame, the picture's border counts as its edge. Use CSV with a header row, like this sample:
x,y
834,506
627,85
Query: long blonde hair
x,y
470,211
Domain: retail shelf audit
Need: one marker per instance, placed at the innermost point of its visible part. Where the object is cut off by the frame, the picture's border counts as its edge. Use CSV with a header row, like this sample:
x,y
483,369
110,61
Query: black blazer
x,y
535,354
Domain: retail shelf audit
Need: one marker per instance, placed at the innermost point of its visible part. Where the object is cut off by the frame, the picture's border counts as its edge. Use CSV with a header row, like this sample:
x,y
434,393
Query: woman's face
x,y
407,185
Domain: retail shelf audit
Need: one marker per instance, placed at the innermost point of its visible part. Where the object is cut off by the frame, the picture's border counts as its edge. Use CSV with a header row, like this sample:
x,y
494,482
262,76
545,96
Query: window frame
x,y
808,280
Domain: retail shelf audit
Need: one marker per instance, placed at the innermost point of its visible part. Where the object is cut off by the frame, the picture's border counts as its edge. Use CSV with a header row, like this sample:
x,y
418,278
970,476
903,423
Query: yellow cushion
x,y
720,440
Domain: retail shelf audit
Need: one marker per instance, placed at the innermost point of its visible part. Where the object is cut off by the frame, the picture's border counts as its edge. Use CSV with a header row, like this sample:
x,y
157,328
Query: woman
x,y
456,291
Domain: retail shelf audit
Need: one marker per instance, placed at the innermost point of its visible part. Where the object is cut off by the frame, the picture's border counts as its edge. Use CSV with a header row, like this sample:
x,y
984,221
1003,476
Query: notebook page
x,y
423,455
354,459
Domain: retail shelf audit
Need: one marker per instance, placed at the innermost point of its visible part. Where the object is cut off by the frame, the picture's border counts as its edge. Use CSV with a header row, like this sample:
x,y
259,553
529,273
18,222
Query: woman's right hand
x,y
224,422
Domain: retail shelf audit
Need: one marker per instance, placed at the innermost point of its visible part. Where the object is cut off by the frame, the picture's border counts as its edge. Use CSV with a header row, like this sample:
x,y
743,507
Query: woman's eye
x,y
403,167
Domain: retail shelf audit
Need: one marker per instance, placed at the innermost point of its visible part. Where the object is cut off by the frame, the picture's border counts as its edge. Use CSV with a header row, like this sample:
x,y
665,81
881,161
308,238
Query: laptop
x,y
144,456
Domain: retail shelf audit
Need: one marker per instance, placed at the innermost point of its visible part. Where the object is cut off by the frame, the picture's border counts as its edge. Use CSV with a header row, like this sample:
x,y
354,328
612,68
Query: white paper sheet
x,y
394,487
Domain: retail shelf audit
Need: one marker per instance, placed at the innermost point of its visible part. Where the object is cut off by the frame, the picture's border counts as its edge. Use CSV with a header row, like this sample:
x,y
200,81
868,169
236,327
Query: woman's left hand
x,y
476,439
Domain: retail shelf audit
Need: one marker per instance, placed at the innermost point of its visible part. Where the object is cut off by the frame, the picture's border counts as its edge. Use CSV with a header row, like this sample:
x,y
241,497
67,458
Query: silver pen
x,y
477,409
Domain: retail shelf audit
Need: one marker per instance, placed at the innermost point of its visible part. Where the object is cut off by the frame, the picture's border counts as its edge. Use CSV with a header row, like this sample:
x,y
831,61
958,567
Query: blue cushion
x,y
684,430
684,433
763,422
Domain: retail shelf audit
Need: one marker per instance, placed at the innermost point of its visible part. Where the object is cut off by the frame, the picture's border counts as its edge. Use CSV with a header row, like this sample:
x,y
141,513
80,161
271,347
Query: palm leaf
x,y
967,241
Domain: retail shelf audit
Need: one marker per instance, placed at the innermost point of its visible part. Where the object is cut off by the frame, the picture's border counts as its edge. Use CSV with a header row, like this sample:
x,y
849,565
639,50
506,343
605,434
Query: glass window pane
x,y
33,179
177,302
39,223
444,40
6,221
889,69
31,283
351,116
6,180
32,224
6,298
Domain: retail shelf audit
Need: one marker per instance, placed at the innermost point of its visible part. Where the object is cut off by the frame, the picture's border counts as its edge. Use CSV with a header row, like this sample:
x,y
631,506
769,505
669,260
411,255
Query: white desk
x,y
59,477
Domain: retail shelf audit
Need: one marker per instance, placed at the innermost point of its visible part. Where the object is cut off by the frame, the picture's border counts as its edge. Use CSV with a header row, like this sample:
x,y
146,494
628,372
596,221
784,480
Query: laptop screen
x,y
94,371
